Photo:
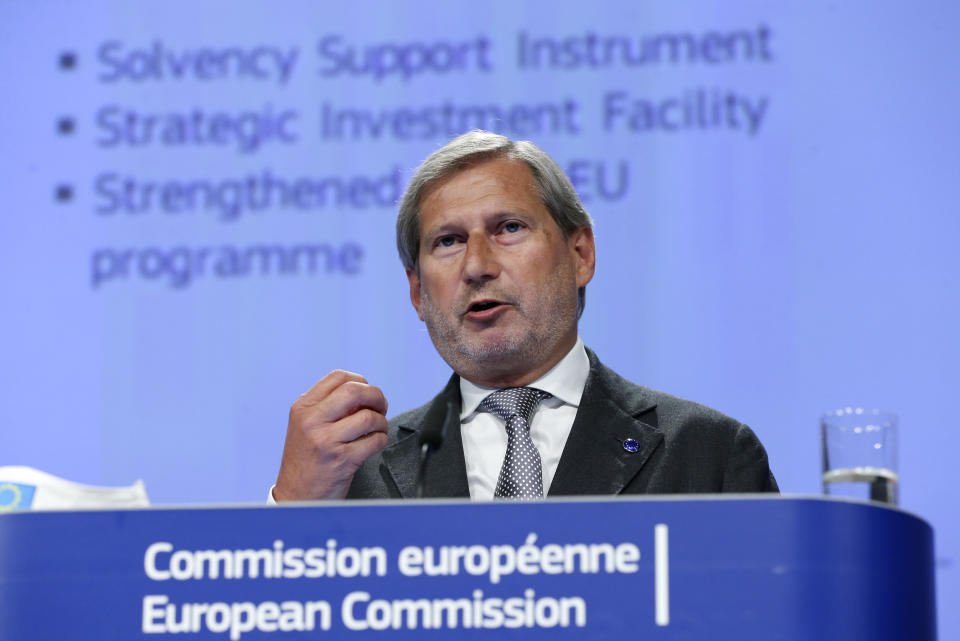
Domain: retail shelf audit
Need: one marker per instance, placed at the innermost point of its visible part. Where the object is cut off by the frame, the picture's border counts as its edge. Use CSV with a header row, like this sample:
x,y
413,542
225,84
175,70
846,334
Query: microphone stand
x,y
431,438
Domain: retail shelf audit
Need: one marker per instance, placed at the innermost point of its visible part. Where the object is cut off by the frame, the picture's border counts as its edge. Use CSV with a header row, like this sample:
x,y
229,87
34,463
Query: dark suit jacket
x,y
684,448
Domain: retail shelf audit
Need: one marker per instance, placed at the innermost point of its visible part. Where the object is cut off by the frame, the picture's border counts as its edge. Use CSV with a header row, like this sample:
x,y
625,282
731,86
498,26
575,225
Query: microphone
x,y
430,440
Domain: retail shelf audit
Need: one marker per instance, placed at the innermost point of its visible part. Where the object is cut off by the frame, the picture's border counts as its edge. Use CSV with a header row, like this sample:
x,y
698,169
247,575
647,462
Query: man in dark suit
x,y
498,251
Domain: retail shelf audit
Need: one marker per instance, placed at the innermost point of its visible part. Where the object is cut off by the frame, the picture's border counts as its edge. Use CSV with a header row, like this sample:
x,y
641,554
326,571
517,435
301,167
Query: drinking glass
x,y
860,454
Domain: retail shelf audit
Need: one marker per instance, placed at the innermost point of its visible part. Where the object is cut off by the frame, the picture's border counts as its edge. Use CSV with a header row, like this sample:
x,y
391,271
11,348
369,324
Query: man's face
x,y
498,282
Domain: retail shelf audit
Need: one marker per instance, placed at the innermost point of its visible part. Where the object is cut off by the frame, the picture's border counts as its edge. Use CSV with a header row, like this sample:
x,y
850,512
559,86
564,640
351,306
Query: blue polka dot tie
x,y
521,476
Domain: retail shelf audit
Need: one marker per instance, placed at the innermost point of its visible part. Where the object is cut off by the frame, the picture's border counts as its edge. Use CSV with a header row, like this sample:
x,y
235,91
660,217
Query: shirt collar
x,y
565,381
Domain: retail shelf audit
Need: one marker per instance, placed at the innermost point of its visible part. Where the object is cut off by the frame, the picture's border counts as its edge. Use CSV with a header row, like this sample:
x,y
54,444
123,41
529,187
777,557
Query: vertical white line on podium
x,y
661,560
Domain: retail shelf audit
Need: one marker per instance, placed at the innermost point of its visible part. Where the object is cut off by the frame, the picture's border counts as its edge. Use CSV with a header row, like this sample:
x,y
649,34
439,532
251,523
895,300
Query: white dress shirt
x,y
485,436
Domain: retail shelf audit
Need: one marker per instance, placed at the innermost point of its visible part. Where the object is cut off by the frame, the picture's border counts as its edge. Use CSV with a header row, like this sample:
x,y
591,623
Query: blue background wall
x,y
774,273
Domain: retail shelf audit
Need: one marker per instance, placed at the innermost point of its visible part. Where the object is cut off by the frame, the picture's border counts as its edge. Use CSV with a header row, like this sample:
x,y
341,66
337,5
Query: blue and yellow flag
x,y
15,496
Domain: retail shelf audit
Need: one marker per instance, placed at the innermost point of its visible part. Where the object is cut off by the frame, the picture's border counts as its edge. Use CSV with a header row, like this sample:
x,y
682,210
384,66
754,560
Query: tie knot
x,y
513,401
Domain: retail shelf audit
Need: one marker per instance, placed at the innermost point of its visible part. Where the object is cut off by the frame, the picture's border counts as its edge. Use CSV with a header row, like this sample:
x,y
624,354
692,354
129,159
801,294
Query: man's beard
x,y
476,358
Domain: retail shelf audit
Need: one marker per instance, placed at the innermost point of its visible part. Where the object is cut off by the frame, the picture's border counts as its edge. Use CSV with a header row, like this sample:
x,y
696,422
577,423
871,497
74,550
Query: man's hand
x,y
333,428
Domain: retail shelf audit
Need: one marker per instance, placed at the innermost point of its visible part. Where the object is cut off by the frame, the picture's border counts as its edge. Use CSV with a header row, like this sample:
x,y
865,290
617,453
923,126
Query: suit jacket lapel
x,y
594,460
446,474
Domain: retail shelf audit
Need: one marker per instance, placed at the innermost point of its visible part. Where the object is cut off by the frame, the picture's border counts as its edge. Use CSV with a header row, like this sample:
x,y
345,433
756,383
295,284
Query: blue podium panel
x,y
761,569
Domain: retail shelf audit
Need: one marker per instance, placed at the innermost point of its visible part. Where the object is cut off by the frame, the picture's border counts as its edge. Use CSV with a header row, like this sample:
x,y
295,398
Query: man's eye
x,y
512,227
446,241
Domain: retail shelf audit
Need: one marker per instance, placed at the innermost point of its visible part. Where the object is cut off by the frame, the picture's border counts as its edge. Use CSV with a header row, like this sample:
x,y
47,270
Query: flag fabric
x,y
15,496
26,488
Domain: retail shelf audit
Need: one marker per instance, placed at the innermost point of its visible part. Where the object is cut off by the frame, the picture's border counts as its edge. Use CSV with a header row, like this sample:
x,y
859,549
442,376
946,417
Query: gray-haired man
x,y
498,251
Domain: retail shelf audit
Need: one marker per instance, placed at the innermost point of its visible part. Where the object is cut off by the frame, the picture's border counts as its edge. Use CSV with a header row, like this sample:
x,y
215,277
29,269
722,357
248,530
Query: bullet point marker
x,y
65,126
68,60
64,193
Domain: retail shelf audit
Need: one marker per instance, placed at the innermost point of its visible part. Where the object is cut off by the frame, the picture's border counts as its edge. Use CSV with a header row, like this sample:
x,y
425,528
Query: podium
x,y
712,567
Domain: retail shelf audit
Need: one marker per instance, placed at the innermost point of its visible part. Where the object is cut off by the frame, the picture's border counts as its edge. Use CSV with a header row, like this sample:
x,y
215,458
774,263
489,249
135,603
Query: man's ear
x,y
414,291
584,253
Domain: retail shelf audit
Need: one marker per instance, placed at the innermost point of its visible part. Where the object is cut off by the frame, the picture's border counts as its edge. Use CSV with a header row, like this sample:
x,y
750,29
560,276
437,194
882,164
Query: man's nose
x,y
480,260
